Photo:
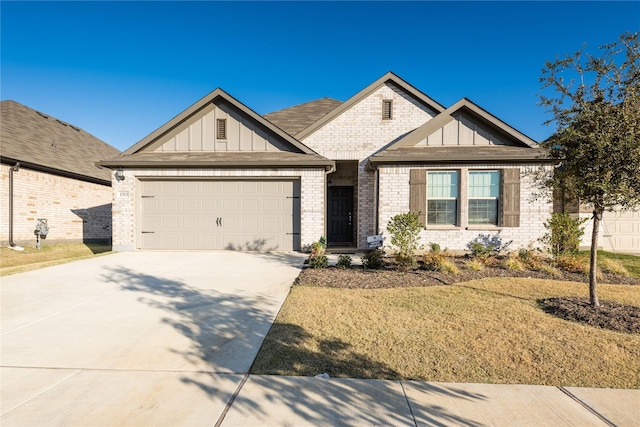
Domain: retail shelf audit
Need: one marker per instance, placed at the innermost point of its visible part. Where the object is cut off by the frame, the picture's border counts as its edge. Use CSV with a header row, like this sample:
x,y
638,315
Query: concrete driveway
x,y
139,338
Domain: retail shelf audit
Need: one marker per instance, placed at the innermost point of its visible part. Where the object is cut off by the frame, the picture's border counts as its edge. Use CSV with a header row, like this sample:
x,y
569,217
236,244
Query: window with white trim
x,y
484,196
442,198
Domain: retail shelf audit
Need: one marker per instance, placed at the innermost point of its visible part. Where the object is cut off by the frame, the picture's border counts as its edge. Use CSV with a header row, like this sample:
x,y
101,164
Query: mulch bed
x,y
392,277
609,315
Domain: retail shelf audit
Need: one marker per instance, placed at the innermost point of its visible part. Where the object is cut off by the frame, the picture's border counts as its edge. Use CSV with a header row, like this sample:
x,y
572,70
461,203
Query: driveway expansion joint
x,y
231,400
587,407
406,398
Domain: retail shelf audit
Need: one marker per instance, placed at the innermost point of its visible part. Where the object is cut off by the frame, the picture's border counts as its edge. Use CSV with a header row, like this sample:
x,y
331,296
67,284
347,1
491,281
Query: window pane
x,y
442,185
484,184
442,212
483,211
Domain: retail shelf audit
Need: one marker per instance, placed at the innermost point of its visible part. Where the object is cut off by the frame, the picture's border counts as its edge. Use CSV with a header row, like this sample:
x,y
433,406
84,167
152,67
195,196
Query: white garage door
x,y
238,215
621,231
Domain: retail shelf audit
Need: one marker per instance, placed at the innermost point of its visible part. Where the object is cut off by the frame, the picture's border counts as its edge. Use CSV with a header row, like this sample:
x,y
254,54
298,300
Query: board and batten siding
x,y
199,134
464,130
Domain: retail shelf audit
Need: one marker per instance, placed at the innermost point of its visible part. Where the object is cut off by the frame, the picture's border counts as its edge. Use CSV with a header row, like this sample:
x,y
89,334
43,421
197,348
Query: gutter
x,y
12,245
112,164
372,163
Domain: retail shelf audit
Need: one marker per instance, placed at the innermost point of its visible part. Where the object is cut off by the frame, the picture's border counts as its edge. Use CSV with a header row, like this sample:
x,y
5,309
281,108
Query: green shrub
x,y
405,235
373,260
344,261
435,247
318,261
563,234
487,245
317,258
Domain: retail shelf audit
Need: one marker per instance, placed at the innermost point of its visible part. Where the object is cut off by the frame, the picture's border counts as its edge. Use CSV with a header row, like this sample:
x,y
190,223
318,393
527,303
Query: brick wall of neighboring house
x,y
360,132
312,198
76,210
394,199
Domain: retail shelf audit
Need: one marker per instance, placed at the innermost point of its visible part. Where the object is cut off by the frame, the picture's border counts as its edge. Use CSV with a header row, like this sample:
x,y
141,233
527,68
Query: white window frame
x,y
495,197
430,179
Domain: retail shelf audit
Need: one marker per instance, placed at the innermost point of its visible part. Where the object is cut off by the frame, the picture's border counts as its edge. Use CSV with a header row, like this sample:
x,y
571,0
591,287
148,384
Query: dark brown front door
x,y
340,226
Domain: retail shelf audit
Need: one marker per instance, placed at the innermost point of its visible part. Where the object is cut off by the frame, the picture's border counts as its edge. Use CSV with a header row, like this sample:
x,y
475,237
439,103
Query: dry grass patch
x,y
12,262
487,331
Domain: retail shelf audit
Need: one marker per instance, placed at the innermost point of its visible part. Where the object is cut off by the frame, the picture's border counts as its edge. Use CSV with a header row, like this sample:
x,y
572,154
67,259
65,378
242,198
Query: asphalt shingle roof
x,y
35,138
295,119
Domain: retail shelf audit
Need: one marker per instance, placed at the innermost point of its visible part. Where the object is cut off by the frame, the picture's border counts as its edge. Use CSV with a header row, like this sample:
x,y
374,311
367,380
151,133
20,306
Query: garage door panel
x,y
250,206
239,215
621,231
230,207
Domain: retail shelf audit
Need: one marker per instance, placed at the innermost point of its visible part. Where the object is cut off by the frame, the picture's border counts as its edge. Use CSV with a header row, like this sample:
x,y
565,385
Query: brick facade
x,y
394,199
76,210
312,198
360,132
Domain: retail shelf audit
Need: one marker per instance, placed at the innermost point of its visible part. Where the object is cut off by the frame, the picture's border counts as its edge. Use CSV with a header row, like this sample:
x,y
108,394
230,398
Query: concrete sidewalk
x,y
303,401
67,397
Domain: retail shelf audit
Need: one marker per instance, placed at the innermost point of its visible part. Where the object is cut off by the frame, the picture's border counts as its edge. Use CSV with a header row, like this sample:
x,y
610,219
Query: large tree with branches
x,y
595,103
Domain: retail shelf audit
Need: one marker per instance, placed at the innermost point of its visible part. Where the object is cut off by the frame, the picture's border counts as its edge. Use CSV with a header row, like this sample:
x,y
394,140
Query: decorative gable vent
x,y
221,129
387,109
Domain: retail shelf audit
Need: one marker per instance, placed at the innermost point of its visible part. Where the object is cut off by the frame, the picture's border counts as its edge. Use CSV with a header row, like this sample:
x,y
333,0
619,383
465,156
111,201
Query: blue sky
x,y
120,70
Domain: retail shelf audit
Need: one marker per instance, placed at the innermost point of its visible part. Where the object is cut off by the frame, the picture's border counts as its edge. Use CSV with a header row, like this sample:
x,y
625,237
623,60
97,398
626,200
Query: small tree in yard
x,y
405,236
596,109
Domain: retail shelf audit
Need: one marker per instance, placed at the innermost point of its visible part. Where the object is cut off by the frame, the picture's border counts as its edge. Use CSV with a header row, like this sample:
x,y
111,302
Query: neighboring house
x,y
54,178
220,176
619,230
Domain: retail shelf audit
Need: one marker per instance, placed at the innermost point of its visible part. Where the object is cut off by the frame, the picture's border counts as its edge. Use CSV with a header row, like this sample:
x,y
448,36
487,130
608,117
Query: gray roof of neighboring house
x,y
40,141
299,117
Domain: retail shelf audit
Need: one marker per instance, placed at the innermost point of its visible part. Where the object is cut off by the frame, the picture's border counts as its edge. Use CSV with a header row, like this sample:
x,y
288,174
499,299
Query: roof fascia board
x,y
501,125
198,106
327,164
410,89
372,163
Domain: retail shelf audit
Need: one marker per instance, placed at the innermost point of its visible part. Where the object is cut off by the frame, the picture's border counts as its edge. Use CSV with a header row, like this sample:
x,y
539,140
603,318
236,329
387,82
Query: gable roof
x,y
137,155
213,96
408,88
299,117
42,142
446,116
405,151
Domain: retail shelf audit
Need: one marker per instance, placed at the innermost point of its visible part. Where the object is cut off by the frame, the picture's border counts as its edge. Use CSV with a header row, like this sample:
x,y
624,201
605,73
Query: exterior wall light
x,y
119,175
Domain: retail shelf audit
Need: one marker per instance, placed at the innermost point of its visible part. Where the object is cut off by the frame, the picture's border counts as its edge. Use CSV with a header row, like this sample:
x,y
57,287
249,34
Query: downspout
x,y
12,245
